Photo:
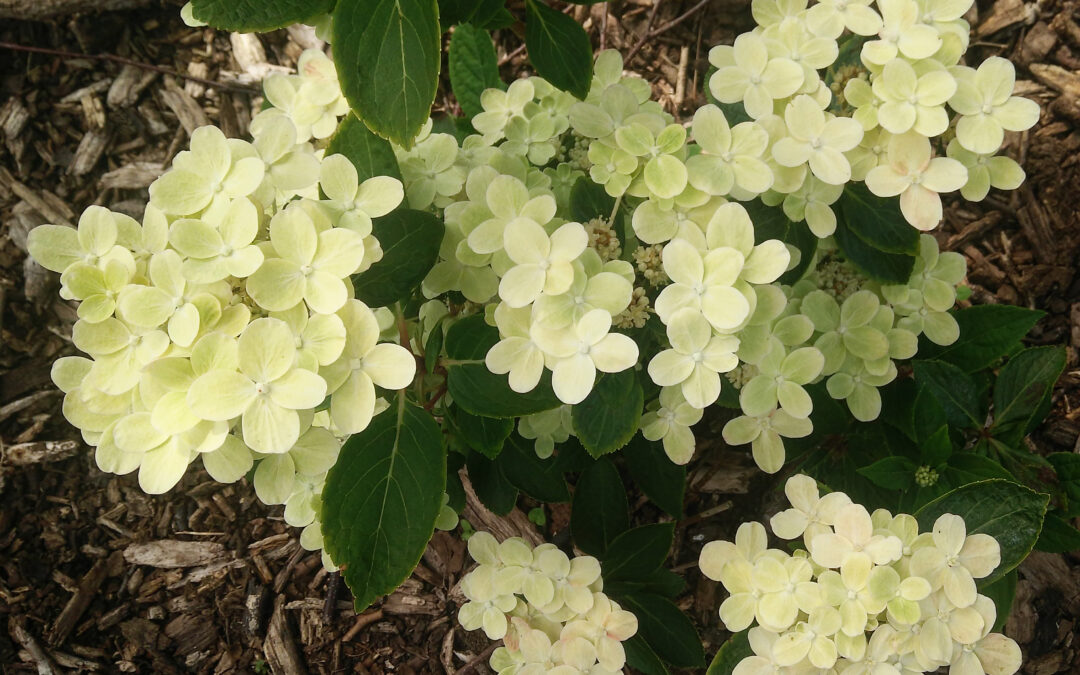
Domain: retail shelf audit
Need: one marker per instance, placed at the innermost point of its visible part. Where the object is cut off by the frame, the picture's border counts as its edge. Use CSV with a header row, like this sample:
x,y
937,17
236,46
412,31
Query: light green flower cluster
x,y
220,325
836,325
869,593
547,609
801,144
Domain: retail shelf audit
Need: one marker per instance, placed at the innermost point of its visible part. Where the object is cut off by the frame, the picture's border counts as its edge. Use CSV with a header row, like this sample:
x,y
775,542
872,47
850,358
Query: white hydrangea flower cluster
x,y
548,609
908,92
836,325
224,327
869,593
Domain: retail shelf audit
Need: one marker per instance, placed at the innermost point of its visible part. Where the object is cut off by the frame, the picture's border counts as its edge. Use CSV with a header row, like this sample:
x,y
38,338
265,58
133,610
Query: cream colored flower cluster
x,y
877,121
218,326
547,608
868,594
836,325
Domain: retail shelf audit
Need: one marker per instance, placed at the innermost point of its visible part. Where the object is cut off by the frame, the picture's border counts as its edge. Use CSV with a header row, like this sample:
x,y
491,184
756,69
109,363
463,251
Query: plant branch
x,y
127,62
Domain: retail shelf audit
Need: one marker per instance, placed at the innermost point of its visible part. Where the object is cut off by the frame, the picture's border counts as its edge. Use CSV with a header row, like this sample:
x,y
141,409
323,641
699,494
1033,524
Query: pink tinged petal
x,y
885,181
921,207
573,378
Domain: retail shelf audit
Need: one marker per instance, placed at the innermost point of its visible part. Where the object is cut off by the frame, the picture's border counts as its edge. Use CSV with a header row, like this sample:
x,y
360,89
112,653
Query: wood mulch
x,y
96,576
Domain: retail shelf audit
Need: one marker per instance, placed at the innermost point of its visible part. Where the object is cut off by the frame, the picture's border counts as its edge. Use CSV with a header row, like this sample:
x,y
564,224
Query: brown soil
x,y
80,590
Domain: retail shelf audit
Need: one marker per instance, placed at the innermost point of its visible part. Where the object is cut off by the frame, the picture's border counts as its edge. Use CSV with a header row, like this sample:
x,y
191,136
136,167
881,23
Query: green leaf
x,y
488,14
610,415
410,242
731,653
955,390
641,657
371,155
658,477
1002,592
538,478
388,54
667,630
968,467
1067,467
987,333
637,553
876,220
599,512
1058,535
661,582
1022,391
558,48
433,348
491,486
475,388
770,222
473,67
893,268
382,498
938,448
257,16
455,461
891,473
1008,512
486,435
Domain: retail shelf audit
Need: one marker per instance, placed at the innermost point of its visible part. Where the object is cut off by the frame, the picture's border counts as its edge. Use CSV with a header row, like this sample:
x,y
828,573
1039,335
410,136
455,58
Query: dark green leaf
x,y
479,391
658,477
1058,535
388,54
1008,512
486,435
1021,388
731,653
955,390
891,473
473,67
770,222
987,333
892,268
637,553
371,155
936,449
661,582
668,631
491,486
876,220
609,416
410,241
257,16
641,657
599,512
1067,467
538,478
968,467
433,347
454,487
558,48
488,14
382,498
1002,592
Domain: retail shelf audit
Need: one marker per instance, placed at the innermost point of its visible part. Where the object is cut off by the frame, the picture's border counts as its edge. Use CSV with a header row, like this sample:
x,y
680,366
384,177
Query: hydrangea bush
x,y
367,313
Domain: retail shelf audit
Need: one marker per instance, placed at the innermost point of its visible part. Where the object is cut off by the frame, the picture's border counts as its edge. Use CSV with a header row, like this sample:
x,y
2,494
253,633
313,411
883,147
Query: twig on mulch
x,y
127,62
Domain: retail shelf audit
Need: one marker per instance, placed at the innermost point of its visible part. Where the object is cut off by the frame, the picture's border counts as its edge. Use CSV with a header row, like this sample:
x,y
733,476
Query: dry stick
x,y
645,36
478,659
655,32
127,62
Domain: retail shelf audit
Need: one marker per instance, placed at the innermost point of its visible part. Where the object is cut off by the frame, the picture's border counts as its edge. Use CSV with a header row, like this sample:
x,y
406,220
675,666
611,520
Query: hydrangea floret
x,y
867,593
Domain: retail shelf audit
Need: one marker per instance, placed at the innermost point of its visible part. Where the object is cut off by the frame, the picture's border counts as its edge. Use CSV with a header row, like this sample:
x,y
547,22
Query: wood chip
x,y
88,154
39,452
1004,14
170,553
62,215
1057,78
45,665
186,109
133,176
127,86
281,652
516,524
73,610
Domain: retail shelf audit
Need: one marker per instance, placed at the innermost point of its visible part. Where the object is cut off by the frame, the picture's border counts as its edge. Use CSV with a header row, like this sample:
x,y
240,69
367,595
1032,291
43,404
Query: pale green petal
x,y
220,395
266,350
268,427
